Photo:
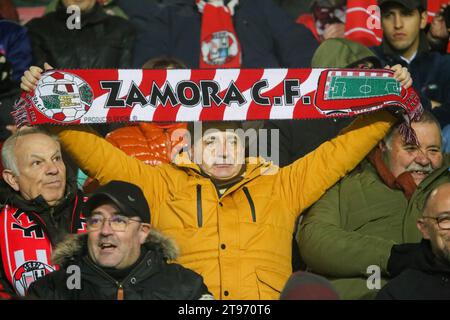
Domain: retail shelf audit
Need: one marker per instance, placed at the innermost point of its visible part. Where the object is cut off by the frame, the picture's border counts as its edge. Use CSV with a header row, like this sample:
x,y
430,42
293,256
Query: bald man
x,y
428,275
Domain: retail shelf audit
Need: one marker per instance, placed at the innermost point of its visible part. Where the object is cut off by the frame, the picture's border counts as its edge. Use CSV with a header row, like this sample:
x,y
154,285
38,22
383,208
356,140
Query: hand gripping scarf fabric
x,y
68,97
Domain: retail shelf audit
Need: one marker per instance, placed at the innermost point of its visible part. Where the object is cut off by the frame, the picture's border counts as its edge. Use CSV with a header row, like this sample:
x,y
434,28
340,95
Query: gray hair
x,y
8,156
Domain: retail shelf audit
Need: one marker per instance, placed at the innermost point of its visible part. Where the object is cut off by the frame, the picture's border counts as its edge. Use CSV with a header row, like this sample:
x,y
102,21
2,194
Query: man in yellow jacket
x,y
232,219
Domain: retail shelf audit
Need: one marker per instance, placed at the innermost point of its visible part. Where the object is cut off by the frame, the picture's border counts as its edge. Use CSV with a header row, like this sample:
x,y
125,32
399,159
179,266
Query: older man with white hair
x,y
39,207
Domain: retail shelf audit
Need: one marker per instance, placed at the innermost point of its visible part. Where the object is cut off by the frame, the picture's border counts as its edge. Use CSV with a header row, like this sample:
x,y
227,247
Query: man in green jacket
x,y
348,234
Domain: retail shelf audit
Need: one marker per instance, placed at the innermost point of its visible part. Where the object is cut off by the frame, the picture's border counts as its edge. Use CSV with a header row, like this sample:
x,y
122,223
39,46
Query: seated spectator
x,y
405,42
357,222
120,257
326,20
268,36
216,204
102,41
40,205
427,274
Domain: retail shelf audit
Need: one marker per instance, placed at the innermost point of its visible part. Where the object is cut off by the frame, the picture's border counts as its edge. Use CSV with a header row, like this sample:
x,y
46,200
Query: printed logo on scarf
x,y
29,272
219,48
63,96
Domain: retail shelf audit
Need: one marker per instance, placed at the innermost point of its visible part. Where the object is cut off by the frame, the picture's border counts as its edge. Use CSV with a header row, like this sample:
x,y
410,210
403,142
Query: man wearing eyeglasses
x,y
120,257
426,265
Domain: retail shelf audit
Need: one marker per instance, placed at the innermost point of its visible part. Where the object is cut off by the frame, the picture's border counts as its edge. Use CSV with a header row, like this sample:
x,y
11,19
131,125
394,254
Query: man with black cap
x,y
120,257
404,42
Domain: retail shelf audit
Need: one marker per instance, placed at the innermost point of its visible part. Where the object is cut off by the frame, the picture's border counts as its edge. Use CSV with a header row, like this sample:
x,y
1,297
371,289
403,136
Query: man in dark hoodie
x,y
39,207
121,256
427,272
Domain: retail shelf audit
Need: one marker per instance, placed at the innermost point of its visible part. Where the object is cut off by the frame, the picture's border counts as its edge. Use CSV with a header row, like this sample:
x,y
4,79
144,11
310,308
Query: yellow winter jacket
x,y
239,242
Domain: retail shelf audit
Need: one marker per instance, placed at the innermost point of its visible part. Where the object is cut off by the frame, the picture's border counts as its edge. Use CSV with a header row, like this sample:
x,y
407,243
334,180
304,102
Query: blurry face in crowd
x,y
402,27
220,154
85,5
115,249
41,170
421,160
438,207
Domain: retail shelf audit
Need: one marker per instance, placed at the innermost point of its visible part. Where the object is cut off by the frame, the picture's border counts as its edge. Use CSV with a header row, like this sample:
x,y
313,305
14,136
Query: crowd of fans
x,y
141,218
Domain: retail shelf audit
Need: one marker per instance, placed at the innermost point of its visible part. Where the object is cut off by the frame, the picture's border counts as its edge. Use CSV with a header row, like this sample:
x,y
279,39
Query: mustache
x,y
417,167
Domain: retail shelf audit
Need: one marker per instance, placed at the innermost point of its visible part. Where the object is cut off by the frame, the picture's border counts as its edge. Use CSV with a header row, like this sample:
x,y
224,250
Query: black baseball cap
x,y
409,4
127,197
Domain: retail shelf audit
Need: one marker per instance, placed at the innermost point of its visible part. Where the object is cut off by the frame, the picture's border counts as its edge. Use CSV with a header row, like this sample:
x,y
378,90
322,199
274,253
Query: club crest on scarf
x,y
63,96
219,44
29,272
220,48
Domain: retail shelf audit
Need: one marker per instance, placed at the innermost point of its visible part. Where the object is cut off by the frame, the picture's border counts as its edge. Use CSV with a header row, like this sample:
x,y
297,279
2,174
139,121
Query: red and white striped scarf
x,y
25,247
219,44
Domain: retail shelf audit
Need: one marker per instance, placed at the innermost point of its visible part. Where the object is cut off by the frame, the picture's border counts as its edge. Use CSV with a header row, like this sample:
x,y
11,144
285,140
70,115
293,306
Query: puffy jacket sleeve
x,y
306,180
330,250
104,162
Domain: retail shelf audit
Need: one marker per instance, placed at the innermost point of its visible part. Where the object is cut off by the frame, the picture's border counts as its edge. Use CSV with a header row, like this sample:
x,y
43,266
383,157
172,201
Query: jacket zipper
x,y
199,206
252,204
120,291
120,294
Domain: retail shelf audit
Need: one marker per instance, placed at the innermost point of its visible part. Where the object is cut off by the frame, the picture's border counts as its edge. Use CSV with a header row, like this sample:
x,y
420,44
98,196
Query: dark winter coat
x,y
103,41
424,277
269,37
151,279
57,221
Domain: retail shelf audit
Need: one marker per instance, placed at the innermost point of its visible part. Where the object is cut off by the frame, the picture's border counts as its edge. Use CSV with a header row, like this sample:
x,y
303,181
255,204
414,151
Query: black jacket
x,y
269,37
103,41
58,221
151,279
430,72
420,275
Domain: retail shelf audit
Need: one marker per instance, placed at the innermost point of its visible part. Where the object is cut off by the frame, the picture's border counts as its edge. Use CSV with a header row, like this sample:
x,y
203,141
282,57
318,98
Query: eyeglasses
x,y
443,221
118,223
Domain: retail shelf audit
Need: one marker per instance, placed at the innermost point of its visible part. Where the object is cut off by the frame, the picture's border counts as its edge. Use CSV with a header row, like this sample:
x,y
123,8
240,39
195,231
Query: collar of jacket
x,y
366,165
97,14
418,256
389,51
38,204
74,247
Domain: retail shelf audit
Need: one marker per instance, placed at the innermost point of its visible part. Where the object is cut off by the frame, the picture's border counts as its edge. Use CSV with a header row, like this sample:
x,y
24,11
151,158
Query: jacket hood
x,y
344,53
74,246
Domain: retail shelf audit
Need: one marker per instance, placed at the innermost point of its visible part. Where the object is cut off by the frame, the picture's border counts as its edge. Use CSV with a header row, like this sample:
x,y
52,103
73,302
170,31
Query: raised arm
x,y
329,249
307,179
